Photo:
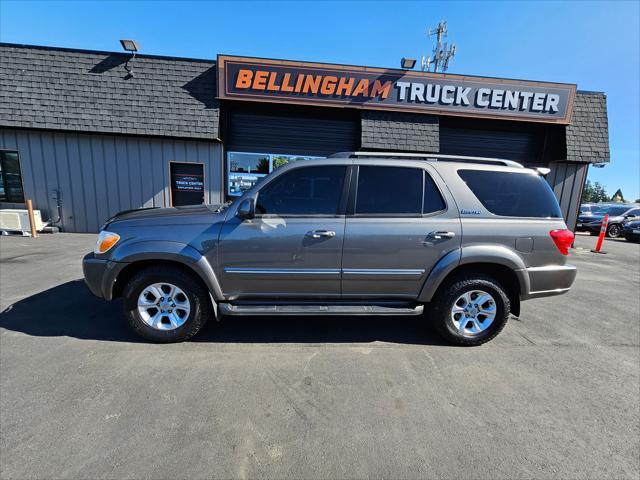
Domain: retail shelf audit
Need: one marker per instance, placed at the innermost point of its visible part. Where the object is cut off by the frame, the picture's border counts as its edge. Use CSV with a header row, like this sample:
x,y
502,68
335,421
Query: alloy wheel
x,y
473,312
163,306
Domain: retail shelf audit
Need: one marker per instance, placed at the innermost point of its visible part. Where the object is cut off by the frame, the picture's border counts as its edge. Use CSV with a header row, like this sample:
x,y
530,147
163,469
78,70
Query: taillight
x,y
563,240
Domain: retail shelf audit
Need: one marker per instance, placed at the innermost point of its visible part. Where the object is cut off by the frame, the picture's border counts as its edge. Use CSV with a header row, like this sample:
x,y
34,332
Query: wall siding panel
x,y
567,180
100,175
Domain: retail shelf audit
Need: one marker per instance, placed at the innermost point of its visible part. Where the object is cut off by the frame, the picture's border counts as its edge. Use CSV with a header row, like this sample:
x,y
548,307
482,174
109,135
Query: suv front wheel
x,y
470,310
166,304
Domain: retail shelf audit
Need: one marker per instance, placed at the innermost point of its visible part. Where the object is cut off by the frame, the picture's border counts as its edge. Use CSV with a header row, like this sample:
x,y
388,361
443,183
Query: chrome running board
x,y
231,309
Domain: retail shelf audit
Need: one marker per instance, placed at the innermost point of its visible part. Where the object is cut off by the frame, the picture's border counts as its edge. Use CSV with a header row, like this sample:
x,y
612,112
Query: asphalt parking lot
x,y
555,395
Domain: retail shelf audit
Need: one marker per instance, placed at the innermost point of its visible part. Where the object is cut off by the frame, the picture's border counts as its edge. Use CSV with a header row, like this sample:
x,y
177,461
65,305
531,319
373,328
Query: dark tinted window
x,y
303,191
634,213
512,194
389,190
615,211
433,201
10,178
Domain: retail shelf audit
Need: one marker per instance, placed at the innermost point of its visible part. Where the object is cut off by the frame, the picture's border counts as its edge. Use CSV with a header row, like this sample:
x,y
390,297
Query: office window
x,y
10,178
245,169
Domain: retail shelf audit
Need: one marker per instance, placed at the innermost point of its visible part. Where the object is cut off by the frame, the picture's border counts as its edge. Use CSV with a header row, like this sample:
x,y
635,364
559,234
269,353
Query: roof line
x,y
104,52
598,92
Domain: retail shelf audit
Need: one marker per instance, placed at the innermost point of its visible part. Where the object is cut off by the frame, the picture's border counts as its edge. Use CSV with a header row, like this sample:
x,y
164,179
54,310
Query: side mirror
x,y
247,209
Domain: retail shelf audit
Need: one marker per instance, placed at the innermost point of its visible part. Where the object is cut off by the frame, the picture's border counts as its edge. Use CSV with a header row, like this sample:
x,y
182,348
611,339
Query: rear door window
x,y
512,194
396,191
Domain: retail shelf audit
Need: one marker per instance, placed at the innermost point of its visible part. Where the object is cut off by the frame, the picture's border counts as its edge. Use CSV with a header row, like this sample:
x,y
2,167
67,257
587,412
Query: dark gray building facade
x,y
83,139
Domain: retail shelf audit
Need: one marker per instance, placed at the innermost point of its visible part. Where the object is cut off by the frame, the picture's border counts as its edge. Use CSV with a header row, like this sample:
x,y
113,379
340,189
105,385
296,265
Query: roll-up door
x,y
523,142
291,132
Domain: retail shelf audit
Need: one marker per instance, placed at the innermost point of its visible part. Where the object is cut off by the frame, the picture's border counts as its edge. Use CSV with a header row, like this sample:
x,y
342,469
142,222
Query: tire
x,y
191,295
614,230
442,309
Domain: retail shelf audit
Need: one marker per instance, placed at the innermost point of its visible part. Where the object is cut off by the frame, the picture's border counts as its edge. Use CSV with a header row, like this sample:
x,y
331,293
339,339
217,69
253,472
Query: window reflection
x,y
245,169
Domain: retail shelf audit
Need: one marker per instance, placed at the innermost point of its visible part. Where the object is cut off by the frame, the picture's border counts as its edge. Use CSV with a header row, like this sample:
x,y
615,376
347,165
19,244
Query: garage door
x,y
291,132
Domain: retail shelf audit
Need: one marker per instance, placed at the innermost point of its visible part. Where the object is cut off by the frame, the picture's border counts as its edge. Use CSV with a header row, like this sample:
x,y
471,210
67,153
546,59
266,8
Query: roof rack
x,y
431,157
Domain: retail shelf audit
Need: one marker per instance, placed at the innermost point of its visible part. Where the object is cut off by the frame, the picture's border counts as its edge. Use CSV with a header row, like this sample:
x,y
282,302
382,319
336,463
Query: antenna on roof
x,y
442,54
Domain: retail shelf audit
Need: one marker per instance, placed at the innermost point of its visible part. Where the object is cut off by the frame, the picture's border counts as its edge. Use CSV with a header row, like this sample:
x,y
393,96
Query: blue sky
x,y
593,44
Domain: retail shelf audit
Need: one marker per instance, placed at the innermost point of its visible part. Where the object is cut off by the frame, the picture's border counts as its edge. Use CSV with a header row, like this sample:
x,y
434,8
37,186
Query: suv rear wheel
x,y
471,310
166,304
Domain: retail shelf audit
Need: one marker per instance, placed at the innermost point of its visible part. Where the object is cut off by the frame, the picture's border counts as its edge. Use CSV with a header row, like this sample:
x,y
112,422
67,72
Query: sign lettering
x,y
386,89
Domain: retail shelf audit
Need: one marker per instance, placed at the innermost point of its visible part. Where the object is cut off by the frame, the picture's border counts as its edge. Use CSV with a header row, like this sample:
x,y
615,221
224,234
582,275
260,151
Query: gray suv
x,y
463,240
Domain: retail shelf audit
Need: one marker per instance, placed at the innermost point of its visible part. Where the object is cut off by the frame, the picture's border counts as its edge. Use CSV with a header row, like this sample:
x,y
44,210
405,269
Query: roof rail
x,y
432,157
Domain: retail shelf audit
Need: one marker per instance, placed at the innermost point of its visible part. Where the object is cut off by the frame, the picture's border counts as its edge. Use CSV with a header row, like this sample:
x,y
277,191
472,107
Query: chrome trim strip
x,y
284,271
326,271
383,271
555,290
550,268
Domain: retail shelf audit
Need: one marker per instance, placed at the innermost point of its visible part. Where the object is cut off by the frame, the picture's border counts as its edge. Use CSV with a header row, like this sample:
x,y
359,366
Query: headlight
x,y
106,240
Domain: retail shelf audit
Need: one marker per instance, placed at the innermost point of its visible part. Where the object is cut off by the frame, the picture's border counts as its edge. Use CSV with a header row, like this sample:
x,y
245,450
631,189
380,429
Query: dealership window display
x,y
245,169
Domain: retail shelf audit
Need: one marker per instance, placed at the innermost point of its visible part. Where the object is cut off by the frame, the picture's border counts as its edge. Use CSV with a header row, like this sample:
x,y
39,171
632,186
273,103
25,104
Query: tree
x,y
588,194
594,193
601,192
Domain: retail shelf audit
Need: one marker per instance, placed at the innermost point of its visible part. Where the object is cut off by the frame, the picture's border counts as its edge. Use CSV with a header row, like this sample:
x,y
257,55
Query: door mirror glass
x,y
246,209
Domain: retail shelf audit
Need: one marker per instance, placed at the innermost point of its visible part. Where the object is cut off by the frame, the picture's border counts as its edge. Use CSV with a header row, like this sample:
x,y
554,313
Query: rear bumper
x,y
100,275
549,280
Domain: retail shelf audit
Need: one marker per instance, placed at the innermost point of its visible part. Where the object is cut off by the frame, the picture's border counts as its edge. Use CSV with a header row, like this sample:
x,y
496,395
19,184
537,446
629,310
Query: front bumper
x,y
549,280
100,275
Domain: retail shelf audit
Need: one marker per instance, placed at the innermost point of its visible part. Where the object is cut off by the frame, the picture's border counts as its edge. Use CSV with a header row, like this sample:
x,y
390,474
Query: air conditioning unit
x,y
15,220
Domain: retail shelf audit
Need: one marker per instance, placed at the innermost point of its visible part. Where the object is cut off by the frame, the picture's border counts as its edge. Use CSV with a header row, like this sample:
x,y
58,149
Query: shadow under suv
x,y
462,239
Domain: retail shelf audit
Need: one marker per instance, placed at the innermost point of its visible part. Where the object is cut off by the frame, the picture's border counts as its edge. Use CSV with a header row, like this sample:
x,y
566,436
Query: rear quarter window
x,y
512,194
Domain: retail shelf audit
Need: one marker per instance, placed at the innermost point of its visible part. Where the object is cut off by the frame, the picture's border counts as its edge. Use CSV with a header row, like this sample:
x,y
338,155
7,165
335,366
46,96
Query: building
x,y
85,139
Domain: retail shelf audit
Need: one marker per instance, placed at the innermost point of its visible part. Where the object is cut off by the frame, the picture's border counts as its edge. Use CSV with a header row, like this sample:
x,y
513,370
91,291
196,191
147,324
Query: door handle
x,y
441,235
320,233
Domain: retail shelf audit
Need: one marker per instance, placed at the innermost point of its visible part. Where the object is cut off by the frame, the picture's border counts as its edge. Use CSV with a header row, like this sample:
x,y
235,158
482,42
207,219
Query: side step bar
x,y
230,309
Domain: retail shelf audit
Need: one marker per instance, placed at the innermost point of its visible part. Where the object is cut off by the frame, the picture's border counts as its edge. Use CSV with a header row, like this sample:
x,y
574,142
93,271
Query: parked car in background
x,y
587,213
631,230
588,209
618,214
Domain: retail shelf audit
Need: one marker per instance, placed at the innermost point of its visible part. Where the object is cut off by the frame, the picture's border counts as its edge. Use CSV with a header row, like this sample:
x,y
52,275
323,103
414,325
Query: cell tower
x,y
442,54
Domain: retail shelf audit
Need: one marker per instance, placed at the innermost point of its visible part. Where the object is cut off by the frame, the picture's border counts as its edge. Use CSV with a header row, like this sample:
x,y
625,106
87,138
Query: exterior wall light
x,y
133,47
407,63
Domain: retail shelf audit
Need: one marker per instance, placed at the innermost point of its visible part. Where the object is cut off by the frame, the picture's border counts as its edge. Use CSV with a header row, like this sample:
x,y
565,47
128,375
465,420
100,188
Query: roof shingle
x,y
62,89
588,134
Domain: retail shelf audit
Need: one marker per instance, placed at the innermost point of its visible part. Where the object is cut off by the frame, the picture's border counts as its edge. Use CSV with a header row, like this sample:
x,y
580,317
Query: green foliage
x,y
263,165
279,160
594,193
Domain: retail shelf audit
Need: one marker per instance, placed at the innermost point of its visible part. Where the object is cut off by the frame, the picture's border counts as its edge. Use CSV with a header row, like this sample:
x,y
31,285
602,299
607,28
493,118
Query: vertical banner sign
x,y
187,183
280,81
